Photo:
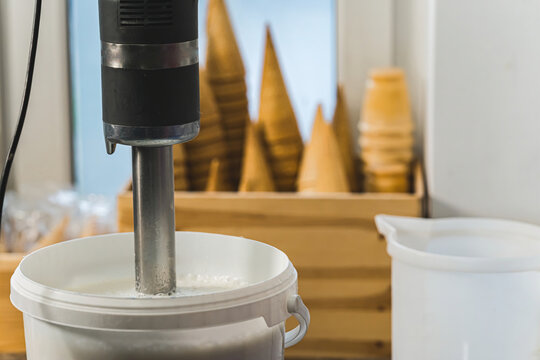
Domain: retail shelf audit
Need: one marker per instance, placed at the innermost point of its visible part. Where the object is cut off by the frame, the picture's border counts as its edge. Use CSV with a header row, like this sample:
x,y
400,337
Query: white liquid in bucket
x,y
186,285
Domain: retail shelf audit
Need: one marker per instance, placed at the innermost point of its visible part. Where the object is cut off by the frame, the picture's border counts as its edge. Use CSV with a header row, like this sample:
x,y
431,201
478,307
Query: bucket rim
x,y
266,299
453,263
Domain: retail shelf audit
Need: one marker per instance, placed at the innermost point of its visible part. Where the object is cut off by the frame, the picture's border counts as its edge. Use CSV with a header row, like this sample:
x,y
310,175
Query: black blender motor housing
x,y
150,89
150,71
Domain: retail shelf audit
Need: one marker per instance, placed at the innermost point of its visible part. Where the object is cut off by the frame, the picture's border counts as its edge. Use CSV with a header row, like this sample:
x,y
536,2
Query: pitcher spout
x,y
390,226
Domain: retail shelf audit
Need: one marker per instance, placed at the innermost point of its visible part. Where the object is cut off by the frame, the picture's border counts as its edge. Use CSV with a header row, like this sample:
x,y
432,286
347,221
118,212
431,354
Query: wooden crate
x,y
344,270
11,322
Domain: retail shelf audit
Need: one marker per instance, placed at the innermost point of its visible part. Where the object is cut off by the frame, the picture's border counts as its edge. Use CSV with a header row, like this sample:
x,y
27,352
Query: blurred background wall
x,y
44,154
471,71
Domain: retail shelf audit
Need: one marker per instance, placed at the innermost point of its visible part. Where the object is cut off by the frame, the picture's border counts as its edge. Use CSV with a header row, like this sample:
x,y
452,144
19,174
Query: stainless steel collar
x,y
149,56
149,136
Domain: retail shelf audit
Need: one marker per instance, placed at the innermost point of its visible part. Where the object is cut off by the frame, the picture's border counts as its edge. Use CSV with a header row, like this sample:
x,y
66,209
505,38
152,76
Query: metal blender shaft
x,y
153,212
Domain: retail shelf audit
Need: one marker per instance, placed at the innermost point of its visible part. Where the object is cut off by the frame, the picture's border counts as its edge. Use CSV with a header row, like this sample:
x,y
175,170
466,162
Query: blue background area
x,y
305,39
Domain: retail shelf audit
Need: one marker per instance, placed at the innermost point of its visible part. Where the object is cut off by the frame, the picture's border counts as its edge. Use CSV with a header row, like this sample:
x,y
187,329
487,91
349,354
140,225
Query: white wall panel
x,y
365,40
410,48
482,143
44,154
380,33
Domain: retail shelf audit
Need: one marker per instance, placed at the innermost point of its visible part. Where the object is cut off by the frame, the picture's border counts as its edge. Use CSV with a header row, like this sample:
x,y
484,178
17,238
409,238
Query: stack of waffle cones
x,y
322,169
256,172
209,144
181,182
226,76
342,128
278,120
386,132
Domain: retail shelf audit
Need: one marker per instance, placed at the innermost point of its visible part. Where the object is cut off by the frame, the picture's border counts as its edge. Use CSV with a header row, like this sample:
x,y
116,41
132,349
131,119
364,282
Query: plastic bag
x,y
31,221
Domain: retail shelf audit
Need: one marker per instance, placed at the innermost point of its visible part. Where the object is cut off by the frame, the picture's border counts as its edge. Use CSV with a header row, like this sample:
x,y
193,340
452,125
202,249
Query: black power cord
x,y
24,107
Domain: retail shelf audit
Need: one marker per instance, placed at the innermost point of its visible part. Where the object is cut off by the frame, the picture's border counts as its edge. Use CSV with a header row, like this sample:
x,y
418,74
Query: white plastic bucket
x,y
464,289
244,323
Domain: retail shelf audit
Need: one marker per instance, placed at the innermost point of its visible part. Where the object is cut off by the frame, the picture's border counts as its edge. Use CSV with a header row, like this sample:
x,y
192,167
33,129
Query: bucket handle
x,y
296,307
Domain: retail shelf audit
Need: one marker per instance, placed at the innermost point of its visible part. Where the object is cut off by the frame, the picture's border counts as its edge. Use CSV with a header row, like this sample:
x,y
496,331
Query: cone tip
x,y
339,93
389,73
319,115
340,108
214,164
320,110
269,38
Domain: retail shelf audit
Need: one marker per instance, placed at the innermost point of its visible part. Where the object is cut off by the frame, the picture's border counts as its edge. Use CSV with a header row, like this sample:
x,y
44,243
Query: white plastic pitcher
x,y
244,323
464,289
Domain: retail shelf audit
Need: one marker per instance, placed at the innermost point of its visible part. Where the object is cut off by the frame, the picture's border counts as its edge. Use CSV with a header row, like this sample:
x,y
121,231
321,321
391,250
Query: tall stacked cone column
x,y
278,120
226,76
386,132
209,144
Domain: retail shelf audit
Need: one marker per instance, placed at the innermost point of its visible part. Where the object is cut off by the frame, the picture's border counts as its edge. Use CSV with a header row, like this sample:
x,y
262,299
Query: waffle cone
x,y
209,107
223,58
321,169
207,152
386,99
386,157
256,172
276,113
318,123
211,127
387,178
180,170
238,133
230,106
181,182
287,166
385,129
179,154
211,142
236,119
209,134
387,170
308,165
285,150
233,108
216,180
230,90
236,146
387,185
383,143
342,129
201,169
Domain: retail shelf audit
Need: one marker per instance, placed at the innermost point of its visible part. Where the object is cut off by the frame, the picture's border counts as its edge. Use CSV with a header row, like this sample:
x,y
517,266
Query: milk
x,y
186,285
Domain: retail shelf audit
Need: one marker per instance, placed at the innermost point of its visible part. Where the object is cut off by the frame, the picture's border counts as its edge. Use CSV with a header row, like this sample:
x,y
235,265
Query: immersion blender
x,y
150,90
